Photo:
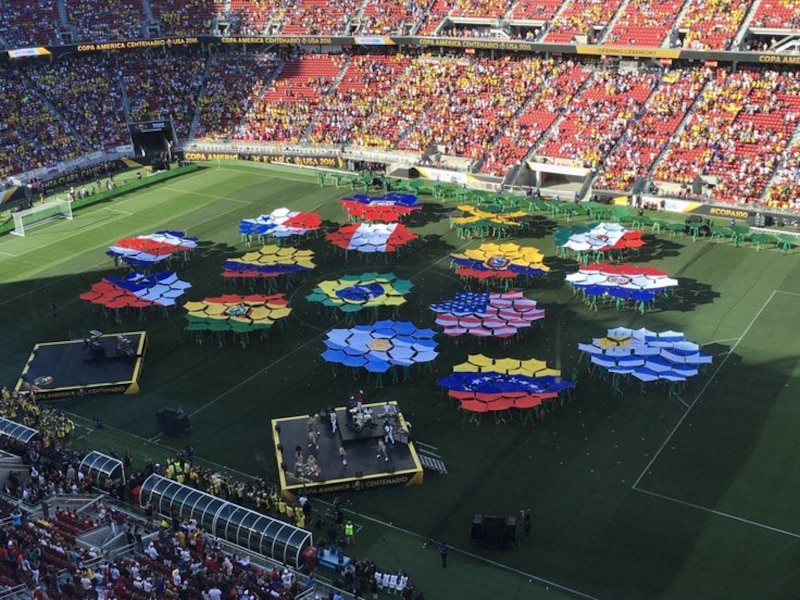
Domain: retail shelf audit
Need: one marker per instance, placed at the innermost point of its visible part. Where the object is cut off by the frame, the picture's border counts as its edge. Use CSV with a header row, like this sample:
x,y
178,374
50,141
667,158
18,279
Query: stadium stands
x,y
319,17
712,25
367,79
646,137
579,18
284,110
644,23
105,20
234,82
736,133
481,9
185,17
597,116
162,86
381,17
85,92
777,14
560,80
783,191
28,23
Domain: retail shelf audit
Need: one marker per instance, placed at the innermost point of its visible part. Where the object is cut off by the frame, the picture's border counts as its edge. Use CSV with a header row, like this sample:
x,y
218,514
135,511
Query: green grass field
x,y
633,496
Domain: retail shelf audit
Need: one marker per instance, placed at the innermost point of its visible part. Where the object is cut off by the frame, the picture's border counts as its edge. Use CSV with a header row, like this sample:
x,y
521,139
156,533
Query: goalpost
x,y
30,217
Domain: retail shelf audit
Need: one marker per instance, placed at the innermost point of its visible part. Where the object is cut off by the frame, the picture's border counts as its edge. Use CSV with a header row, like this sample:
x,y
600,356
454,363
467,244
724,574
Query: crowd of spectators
x,y
737,131
85,91
163,85
598,115
645,138
319,17
105,20
784,191
777,14
712,24
28,23
289,103
22,110
558,83
234,83
381,17
644,23
578,18
185,17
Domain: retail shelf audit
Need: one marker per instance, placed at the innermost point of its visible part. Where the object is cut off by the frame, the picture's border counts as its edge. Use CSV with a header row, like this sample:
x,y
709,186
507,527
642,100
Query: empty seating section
x,y
22,110
434,16
367,80
251,17
598,116
535,10
712,24
28,23
319,17
381,17
234,82
185,17
162,86
646,138
644,22
784,190
283,112
85,92
777,14
105,20
559,81
579,17
485,9
738,129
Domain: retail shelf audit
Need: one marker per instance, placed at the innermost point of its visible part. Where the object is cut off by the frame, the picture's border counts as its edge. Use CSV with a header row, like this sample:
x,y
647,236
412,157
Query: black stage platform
x,y
70,369
364,469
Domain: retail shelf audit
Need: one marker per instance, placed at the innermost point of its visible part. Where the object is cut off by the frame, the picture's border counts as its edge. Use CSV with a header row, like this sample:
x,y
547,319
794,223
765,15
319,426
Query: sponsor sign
x,y
133,44
301,160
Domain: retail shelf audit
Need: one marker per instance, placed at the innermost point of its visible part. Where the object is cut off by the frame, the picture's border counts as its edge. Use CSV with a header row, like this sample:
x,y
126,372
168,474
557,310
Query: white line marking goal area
x,y
714,456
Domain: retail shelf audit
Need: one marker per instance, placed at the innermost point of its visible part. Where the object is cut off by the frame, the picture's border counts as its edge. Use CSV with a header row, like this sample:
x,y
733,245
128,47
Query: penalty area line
x,y
702,391
720,513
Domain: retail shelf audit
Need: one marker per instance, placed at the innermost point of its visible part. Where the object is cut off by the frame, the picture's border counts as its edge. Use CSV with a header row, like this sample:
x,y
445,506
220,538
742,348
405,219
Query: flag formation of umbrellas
x,y
604,237
269,261
371,237
646,355
483,384
380,346
472,215
505,261
352,293
281,223
146,250
137,290
388,208
233,312
488,314
621,281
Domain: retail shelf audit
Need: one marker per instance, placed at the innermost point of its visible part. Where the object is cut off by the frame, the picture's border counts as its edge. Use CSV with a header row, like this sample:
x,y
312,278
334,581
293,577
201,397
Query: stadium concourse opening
x,y
97,364
347,448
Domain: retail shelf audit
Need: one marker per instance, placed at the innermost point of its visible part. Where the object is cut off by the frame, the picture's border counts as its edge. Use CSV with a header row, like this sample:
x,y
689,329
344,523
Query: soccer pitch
x,y
633,496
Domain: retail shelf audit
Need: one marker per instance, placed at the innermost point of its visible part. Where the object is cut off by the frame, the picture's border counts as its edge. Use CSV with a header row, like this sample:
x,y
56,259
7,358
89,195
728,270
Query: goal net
x,y
30,217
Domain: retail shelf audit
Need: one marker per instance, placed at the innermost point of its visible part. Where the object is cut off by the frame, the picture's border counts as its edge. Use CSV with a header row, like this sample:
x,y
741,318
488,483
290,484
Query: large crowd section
x,y
672,124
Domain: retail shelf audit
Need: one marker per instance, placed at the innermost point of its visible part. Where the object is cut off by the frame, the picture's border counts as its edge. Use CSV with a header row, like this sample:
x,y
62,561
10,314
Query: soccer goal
x,y
30,217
